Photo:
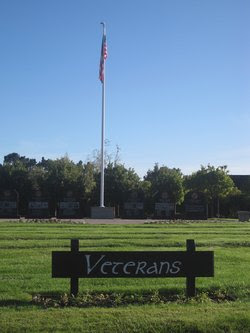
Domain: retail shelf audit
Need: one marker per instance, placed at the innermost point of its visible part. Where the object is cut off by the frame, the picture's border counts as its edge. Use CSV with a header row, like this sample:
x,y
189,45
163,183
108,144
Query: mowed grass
x,y
25,270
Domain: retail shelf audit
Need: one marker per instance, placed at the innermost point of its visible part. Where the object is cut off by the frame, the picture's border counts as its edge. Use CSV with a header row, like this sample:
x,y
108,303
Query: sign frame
x,y
133,264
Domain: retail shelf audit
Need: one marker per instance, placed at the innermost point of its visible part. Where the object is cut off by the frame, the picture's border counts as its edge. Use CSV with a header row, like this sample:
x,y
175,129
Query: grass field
x,y
123,305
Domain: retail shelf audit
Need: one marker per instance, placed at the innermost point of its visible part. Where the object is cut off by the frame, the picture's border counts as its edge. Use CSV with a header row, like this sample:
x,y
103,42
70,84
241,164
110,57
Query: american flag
x,y
104,54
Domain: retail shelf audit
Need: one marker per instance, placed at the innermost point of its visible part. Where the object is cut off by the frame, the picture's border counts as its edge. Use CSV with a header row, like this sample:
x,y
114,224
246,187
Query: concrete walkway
x,y
117,221
86,221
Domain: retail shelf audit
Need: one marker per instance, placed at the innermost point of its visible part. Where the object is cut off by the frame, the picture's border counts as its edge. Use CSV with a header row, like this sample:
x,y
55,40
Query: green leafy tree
x,y
63,175
52,177
164,179
88,181
119,182
15,176
145,188
214,182
14,159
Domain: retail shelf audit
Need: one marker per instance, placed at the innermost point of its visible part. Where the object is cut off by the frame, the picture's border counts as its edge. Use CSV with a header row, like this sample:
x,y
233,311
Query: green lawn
x,y
25,271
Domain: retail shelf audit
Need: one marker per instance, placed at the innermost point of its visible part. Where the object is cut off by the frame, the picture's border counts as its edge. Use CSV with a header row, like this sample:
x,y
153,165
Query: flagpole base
x,y
102,212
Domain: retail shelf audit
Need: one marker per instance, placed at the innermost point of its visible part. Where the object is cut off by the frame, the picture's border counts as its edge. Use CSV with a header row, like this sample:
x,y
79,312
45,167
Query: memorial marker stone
x,y
8,204
195,206
164,208
243,216
133,207
102,212
69,207
38,207
133,210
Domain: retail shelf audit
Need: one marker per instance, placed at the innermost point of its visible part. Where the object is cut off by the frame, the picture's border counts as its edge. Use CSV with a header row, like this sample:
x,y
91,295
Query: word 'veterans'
x,y
131,267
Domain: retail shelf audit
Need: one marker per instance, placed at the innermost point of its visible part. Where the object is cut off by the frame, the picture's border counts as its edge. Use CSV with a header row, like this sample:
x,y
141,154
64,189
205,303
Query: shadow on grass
x,y
14,303
28,303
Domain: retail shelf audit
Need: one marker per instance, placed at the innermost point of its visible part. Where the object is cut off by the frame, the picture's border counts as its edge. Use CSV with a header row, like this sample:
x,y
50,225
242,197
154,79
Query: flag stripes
x,y
104,54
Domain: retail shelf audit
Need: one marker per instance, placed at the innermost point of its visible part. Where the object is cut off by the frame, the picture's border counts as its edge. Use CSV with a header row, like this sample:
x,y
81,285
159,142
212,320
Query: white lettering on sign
x,y
8,204
140,266
115,265
106,263
167,265
38,205
89,268
153,269
176,268
131,267
128,264
69,205
164,206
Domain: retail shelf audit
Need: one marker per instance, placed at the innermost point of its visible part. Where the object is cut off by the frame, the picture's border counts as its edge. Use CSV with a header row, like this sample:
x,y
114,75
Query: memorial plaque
x,y
69,207
38,209
164,208
195,206
38,206
133,210
133,207
8,204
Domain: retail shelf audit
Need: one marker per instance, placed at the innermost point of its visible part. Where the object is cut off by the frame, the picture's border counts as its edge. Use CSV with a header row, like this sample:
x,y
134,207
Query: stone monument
x,y
195,206
9,204
164,208
69,207
38,206
133,208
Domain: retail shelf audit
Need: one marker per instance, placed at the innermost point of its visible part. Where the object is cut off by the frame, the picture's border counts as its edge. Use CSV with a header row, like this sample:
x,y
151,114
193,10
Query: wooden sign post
x,y
74,285
132,264
190,280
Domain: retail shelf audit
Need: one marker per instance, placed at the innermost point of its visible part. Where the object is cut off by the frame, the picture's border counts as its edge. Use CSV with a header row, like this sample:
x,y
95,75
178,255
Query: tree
x,y
109,157
119,182
37,177
15,176
54,178
215,183
11,158
63,175
14,158
164,179
88,180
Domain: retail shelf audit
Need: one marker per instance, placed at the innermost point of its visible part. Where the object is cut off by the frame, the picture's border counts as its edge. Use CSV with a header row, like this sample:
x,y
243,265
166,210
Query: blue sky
x,y
177,81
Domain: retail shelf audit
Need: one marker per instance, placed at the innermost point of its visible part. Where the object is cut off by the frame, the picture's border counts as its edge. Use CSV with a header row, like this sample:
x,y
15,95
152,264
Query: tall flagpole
x,y
103,121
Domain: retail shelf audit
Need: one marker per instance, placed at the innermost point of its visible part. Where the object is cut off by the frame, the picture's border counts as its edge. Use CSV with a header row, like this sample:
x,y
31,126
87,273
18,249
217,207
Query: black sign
x,y
68,209
195,206
164,209
131,264
38,209
8,204
133,210
38,206
190,264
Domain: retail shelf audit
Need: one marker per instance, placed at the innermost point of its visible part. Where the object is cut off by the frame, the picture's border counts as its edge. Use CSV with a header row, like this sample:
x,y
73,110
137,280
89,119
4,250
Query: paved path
x,y
117,221
90,221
